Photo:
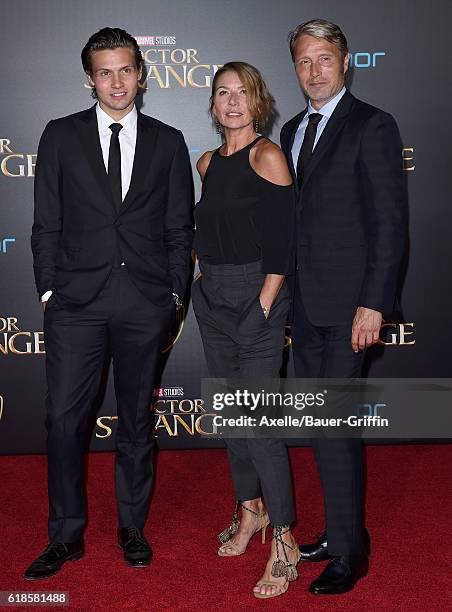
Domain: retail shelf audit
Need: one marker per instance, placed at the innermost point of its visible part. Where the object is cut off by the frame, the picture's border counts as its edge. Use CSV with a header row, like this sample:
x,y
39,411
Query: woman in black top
x,y
244,243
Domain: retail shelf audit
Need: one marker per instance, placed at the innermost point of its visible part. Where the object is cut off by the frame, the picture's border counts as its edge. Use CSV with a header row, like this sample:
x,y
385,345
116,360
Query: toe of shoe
x,y
38,573
137,562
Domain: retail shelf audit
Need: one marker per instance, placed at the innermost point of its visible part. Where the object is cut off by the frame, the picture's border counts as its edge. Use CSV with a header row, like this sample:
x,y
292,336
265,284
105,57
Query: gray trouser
x,y
239,342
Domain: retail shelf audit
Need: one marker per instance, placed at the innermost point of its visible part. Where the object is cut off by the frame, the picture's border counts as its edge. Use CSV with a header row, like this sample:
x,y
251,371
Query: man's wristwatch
x,y
265,310
177,301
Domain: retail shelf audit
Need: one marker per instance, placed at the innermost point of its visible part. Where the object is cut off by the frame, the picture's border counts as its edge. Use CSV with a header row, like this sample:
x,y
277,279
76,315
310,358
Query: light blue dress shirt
x,y
326,111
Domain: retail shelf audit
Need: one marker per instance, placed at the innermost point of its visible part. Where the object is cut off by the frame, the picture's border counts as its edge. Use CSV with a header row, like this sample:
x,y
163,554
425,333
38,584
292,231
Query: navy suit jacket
x,y
351,213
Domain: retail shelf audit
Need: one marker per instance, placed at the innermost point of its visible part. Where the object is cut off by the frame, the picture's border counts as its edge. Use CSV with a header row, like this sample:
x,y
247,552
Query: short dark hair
x,y
320,28
110,38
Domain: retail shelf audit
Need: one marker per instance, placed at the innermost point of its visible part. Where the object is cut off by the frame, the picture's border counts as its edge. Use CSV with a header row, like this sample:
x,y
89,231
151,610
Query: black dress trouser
x,y
76,339
326,352
239,342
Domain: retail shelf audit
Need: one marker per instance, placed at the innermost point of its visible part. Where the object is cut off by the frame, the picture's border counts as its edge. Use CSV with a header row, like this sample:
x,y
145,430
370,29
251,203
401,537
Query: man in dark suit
x,y
345,157
111,241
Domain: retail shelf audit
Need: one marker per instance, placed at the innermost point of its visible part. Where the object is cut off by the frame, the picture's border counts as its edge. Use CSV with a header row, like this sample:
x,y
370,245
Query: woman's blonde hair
x,y
260,100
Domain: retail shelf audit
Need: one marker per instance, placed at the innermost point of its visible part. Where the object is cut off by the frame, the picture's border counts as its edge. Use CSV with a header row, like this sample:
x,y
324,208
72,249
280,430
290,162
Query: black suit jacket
x,y
351,213
77,231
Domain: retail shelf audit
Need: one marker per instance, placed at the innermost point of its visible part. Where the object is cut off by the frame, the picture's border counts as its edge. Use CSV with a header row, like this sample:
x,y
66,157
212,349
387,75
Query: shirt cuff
x,y
45,296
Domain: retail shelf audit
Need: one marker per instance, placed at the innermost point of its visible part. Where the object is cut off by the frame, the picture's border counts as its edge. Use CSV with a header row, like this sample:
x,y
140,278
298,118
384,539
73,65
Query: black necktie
x,y
114,164
307,146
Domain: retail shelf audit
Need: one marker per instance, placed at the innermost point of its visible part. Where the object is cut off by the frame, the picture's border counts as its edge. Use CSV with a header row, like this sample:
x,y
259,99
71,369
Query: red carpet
x,y
409,513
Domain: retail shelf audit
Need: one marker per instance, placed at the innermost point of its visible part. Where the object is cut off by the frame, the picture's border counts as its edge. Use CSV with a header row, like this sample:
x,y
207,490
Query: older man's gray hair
x,y
320,28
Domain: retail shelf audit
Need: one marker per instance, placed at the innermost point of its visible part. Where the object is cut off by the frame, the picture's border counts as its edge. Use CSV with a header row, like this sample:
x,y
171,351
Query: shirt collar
x,y
129,122
329,107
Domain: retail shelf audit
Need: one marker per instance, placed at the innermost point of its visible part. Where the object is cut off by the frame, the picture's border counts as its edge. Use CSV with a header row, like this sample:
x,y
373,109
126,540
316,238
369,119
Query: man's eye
x,y
104,73
127,70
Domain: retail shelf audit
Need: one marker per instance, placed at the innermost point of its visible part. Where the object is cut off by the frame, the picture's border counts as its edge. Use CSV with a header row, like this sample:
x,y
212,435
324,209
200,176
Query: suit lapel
x,y
144,151
89,136
335,123
295,124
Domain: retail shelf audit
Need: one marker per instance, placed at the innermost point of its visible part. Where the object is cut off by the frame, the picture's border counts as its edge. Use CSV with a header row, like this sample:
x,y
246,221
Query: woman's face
x,y
230,102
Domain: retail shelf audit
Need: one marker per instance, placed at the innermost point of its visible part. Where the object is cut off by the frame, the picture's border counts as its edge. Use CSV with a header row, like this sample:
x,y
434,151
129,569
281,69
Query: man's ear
x,y
89,79
346,62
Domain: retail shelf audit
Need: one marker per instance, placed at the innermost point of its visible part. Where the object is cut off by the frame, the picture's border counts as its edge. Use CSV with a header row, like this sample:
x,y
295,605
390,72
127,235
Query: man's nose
x,y
116,80
315,69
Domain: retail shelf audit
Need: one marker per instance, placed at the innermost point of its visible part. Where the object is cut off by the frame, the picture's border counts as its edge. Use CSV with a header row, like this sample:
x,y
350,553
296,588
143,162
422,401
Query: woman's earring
x,y
218,126
256,125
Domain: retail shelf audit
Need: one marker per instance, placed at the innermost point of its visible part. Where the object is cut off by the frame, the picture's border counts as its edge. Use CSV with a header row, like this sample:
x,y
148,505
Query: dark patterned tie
x,y
307,146
114,164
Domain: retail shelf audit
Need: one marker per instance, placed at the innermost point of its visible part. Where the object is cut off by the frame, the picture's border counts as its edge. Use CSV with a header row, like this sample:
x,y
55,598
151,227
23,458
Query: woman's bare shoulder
x,y
270,163
203,163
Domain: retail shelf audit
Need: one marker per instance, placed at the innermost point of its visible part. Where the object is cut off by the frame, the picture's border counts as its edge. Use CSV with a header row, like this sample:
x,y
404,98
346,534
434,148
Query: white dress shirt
x,y
326,111
127,142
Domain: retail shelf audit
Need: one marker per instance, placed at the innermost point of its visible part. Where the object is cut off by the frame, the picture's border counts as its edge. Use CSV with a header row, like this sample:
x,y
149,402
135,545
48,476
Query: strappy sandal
x,y
280,567
226,535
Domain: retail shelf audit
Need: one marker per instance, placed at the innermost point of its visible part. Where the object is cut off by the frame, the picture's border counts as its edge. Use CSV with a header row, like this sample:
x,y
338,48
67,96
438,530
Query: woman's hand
x,y
269,291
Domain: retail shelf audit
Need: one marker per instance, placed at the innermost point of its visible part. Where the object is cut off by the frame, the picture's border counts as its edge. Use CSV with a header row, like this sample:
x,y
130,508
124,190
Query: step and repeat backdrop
x,y
399,63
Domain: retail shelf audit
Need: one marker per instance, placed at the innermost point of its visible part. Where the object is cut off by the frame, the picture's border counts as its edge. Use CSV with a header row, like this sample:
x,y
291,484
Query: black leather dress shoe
x,y
319,550
137,552
53,558
340,575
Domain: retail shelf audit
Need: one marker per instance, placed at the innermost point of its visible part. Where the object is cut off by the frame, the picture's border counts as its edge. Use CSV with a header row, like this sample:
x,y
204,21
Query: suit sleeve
x,y
48,215
385,211
179,218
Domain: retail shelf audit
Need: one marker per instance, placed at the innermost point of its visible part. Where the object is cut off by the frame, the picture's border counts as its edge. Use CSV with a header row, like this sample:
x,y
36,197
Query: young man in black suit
x,y
111,240
345,157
